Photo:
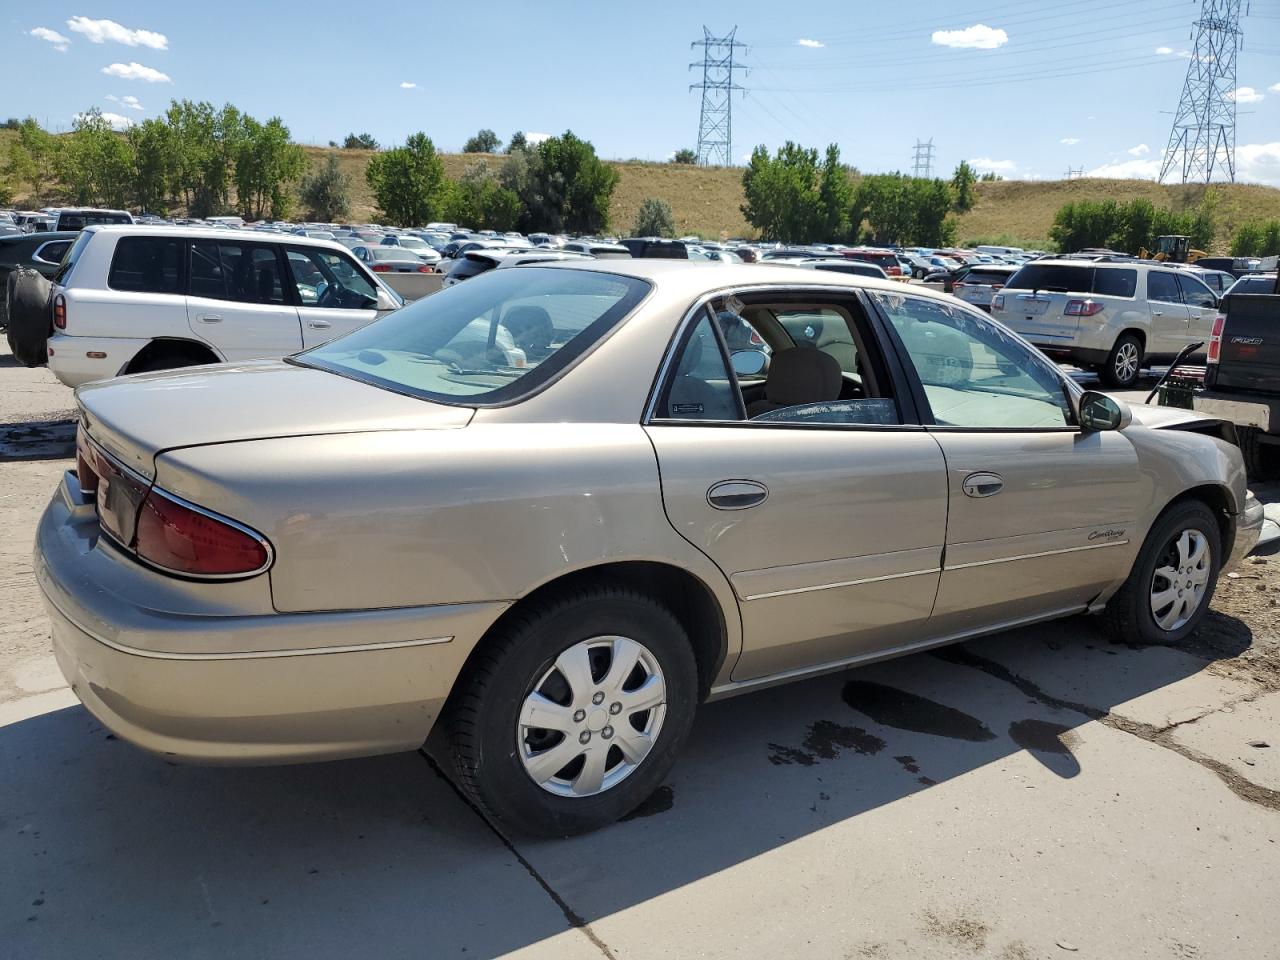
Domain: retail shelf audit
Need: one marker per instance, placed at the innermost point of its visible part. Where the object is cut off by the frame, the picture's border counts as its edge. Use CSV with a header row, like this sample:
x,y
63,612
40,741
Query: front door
x,y
236,302
826,517
1042,515
334,297
1202,308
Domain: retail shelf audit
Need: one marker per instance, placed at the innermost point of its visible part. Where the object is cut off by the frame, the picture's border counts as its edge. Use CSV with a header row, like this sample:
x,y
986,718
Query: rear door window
x,y
1115,283
146,265
245,272
1163,286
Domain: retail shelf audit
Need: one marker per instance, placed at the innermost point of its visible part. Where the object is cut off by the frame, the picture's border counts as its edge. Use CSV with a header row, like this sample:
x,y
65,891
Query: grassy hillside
x,y
707,200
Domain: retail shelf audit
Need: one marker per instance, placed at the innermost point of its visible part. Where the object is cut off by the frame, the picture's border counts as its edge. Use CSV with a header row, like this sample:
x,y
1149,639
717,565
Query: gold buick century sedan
x,y
547,512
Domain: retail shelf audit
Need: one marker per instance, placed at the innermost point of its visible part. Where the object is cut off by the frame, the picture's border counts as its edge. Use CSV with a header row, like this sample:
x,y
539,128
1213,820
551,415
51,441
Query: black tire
x,y
1261,460
1116,374
30,319
1128,617
481,723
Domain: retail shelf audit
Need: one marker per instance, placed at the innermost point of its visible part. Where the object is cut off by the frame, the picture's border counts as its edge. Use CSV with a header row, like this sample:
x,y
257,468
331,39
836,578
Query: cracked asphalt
x,y
1035,794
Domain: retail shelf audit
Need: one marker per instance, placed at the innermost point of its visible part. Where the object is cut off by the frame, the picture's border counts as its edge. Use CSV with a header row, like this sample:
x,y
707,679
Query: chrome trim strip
x,y
247,654
843,583
1033,556
733,688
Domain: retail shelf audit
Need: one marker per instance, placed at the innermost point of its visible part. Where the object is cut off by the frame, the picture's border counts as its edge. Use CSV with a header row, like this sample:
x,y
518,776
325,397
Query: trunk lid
x,y
135,418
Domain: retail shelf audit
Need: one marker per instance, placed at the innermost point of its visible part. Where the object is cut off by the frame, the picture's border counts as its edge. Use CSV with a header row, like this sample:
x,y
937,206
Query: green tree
x,y
408,182
486,141
1270,239
685,156
95,163
153,159
885,202
1248,241
360,141
266,164
479,199
518,143
654,219
835,198
567,187
782,198
32,159
326,192
962,181
930,202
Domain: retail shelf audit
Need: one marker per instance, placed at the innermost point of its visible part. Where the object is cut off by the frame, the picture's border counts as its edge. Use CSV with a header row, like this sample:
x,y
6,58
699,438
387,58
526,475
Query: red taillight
x,y
86,472
381,268
997,302
894,271
60,312
177,537
1083,308
997,286
1215,338
425,269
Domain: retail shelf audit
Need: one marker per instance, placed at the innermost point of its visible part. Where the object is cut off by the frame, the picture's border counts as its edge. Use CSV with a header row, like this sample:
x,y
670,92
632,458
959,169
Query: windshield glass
x,y
491,340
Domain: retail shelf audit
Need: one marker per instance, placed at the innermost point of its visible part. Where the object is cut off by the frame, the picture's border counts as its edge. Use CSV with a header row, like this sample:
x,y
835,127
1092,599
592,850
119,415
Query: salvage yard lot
x,y
1035,794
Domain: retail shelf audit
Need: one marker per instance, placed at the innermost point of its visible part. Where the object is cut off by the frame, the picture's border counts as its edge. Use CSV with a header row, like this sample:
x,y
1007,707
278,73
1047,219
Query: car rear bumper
x,y
71,361
211,687
1248,528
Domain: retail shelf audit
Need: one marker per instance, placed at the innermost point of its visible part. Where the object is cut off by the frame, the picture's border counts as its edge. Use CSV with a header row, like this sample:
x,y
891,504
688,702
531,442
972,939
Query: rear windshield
x,y
1262,284
1054,277
880,258
492,340
987,277
78,221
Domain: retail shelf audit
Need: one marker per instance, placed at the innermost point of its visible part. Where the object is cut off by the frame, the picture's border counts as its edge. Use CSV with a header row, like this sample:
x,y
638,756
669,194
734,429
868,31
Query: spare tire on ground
x,y
30,323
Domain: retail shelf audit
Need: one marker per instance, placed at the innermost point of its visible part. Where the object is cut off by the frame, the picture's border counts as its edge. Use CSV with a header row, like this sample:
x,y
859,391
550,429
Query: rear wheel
x,y
573,714
1172,581
1124,363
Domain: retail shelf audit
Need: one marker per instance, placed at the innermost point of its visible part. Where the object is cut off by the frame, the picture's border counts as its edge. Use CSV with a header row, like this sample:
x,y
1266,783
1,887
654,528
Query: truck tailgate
x,y
1250,353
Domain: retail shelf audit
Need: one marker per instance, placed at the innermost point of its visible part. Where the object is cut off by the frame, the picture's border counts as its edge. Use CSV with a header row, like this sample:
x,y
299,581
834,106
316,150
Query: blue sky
x,y
1023,87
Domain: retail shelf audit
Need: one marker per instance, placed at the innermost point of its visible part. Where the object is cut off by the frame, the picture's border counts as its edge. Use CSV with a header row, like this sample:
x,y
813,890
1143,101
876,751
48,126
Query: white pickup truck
x,y
132,298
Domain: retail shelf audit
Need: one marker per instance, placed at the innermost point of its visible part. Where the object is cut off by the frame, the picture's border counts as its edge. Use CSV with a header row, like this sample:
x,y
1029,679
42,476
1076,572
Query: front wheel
x,y
1172,581
573,713
1124,363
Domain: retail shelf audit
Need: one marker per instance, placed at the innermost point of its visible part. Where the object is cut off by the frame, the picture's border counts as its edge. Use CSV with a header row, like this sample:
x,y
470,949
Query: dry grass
x,y
707,200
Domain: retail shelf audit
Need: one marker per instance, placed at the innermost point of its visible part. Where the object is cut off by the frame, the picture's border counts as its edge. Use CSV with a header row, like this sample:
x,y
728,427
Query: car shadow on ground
x,y
111,852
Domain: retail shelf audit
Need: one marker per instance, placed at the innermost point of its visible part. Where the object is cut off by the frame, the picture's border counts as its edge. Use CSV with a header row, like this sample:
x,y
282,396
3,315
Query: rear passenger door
x,y
333,296
1168,313
236,300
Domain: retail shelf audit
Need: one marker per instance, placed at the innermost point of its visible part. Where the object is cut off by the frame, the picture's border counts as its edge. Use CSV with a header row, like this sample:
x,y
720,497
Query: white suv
x,y
1110,316
129,299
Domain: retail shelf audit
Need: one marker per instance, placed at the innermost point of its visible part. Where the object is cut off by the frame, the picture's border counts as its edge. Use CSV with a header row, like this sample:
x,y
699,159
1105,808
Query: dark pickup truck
x,y
1242,373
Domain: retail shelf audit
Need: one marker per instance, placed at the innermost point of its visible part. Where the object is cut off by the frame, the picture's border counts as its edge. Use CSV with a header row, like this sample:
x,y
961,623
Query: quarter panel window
x,y
701,388
1115,283
974,373
146,265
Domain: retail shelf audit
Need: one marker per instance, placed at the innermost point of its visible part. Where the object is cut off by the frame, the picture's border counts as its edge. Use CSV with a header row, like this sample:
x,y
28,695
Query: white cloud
x,y
136,71
131,102
1127,170
1164,51
1274,88
100,31
1245,95
1141,150
51,36
116,120
406,85
1259,163
977,37
987,165
533,139
1070,141
806,42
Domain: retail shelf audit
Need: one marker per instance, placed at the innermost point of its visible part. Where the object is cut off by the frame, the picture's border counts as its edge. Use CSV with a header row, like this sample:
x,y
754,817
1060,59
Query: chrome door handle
x,y
982,485
1157,313
210,318
319,324
737,494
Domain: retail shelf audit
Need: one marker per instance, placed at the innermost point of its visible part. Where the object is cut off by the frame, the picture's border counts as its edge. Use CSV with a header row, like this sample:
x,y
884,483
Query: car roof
x,y
209,233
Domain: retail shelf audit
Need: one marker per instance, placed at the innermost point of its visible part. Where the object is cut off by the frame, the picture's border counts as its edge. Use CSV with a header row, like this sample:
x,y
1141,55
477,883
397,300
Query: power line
x,y
715,121
1203,136
922,162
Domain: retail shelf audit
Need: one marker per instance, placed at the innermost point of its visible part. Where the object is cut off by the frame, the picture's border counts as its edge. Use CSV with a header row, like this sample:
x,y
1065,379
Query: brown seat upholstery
x,y
799,375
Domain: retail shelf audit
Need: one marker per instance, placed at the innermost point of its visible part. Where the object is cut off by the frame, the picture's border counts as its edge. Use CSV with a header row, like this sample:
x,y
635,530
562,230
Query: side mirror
x,y
386,302
1101,412
749,363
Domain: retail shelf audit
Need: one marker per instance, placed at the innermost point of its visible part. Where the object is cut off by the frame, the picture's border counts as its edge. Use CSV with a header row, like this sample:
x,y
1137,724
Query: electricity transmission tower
x,y
715,122
1073,174
922,163
1204,127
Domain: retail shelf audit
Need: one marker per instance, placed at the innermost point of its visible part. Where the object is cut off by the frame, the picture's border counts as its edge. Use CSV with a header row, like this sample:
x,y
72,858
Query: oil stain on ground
x,y
825,741
891,707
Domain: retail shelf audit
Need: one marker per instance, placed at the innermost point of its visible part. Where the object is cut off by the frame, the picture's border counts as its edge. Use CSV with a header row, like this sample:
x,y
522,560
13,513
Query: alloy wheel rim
x,y
1126,361
592,718
1181,579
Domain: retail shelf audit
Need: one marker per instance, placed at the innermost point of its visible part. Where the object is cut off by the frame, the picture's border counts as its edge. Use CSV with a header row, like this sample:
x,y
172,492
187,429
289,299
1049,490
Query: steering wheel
x,y
326,294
